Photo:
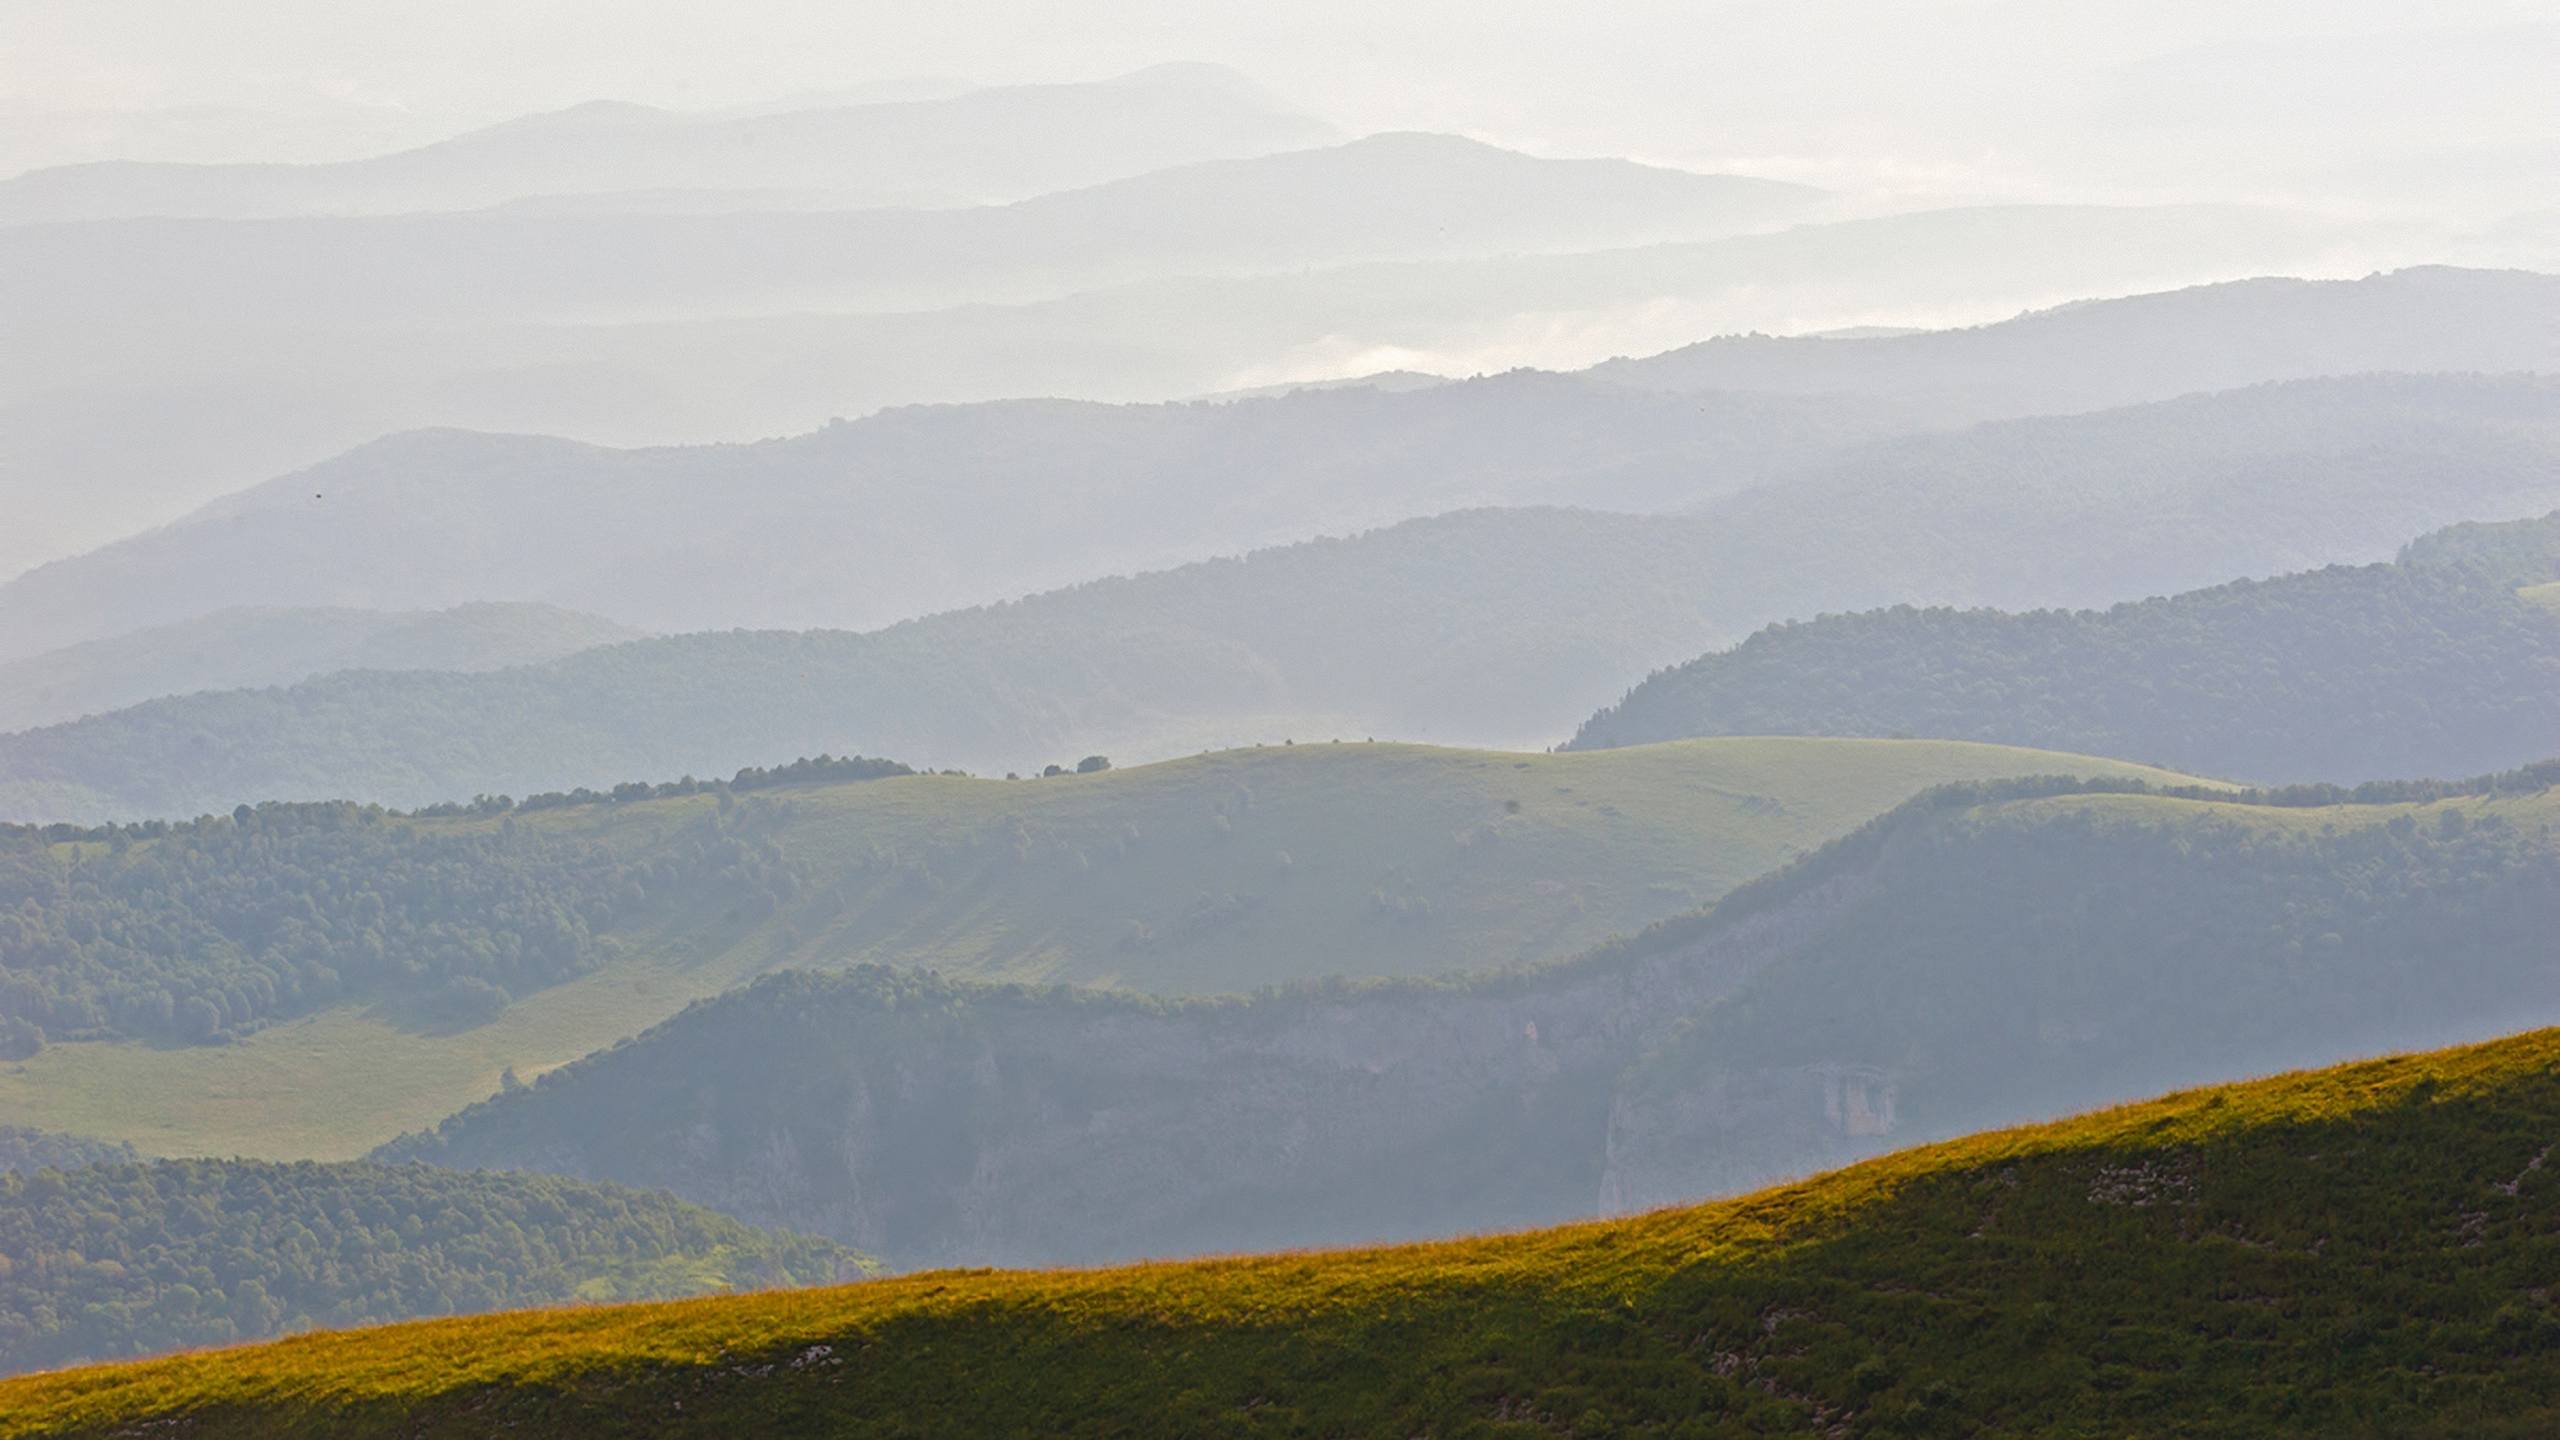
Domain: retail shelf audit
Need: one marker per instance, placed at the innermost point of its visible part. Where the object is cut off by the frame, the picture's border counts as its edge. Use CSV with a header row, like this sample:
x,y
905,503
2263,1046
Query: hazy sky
x,y
1964,96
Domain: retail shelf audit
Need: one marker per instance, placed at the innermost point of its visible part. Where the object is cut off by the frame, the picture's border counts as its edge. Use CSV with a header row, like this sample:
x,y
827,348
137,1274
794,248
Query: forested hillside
x,y
1982,955
249,648
2092,354
206,930
24,1149
921,508
2155,499
2436,664
110,1260
1486,627
924,508
308,980
2354,1250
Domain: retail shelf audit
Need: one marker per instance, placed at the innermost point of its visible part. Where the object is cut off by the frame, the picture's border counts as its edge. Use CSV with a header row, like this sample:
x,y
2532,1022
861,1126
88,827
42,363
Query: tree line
x,y
127,1259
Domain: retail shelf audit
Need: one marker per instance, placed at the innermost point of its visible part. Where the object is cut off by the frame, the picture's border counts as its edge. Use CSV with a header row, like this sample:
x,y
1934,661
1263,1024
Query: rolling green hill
x,y
110,1260
1984,954
2434,665
2357,1251
308,981
1493,627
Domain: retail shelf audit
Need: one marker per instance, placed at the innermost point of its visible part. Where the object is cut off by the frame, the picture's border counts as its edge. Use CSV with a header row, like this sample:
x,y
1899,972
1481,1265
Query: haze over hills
x,y
1385,197
174,1002
246,646
922,508
1496,627
2095,354
997,500
1425,629
2072,494
2444,663
2033,1282
1298,468
119,1259
224,412
991,144
2187,492
1981,955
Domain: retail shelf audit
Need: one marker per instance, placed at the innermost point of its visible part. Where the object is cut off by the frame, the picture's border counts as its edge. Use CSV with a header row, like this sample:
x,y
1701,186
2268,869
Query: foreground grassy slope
x,y
2358,1251
1222,873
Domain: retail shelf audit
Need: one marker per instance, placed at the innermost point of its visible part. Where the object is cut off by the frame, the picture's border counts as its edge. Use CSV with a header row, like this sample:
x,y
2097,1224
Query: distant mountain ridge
x,y
991,143
250,647
1382,198
2437,664
1075,491
649,377
919,509
2096,354
1499,627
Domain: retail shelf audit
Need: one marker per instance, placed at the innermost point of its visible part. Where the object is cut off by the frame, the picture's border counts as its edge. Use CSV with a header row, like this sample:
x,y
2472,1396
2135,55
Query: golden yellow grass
x,y
985,1315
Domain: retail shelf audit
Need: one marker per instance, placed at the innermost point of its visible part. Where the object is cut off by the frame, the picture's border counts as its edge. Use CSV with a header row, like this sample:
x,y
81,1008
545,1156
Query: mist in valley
x,y
662,650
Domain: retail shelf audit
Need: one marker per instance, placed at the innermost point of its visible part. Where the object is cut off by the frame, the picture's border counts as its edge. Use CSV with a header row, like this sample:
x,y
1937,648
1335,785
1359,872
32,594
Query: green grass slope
x,y
2433,665
422,956
108,1260
1982,956
2362,1251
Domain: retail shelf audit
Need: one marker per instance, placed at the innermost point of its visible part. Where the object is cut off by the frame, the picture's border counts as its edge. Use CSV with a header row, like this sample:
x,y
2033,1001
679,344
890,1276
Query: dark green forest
x,y
2431,665
126,1259
2138,943
24,1149
200,931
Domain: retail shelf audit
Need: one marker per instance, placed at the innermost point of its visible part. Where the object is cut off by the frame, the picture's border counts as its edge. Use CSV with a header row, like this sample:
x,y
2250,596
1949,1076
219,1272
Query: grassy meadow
x,y
1223,873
